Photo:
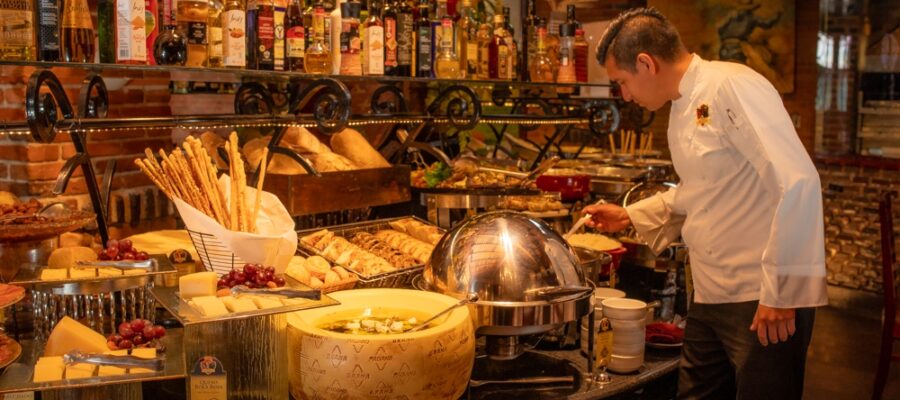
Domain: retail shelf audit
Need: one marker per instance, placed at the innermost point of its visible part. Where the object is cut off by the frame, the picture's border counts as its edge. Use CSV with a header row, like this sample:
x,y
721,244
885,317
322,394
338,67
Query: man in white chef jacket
x,y
748,205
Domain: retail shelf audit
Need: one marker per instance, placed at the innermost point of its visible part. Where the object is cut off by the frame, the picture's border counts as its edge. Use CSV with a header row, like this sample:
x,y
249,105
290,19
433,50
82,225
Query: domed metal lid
x,y
505,257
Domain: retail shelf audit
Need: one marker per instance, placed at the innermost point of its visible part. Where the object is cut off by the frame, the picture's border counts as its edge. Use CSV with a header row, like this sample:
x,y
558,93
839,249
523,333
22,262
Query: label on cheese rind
x,y
69,334
208,380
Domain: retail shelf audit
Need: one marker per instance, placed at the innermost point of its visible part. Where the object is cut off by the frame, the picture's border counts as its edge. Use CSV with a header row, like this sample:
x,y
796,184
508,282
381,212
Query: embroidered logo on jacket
x,y
703,115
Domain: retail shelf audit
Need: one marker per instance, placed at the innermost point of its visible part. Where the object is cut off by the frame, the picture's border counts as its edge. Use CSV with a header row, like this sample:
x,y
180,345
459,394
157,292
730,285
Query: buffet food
x,y
407,244
21,213
251,275
594,241
10,294
531,203
9,350
367,324
53,368
341,251
349,151
22,220
419,230
442,176
121,250
317,273
379,247
135,334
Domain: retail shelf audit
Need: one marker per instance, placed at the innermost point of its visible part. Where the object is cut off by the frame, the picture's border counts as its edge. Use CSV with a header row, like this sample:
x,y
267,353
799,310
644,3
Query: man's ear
x,y
646,62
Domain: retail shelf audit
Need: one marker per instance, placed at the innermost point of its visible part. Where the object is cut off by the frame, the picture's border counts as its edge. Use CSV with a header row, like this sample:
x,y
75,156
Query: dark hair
x,y
640,30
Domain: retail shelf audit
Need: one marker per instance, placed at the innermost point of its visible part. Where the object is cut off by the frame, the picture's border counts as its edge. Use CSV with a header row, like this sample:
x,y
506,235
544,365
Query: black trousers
x,y
722,357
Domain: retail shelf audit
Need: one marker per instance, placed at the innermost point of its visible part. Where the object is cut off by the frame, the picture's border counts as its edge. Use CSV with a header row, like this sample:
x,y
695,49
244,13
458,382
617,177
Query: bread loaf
x,y
303,141
354,146
278,164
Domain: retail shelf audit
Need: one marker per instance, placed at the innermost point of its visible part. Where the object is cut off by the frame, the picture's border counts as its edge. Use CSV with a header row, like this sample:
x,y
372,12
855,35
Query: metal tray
x,y
394,279
91,285
45,230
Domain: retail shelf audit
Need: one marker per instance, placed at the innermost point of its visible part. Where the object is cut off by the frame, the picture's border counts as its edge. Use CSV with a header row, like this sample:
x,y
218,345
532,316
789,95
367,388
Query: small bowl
x,y
628,350
624,309
626,364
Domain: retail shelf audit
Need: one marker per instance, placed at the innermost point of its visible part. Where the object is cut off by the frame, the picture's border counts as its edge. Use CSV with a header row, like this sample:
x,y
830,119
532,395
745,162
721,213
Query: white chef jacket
x,y
749,204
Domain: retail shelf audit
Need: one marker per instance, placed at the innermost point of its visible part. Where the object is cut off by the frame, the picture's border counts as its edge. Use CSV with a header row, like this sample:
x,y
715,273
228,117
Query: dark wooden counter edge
x,y
887,163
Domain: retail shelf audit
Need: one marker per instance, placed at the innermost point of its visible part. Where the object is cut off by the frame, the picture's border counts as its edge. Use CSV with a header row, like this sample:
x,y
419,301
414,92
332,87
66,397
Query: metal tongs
x,y
77,357
145,264
470,165
285,292
581,221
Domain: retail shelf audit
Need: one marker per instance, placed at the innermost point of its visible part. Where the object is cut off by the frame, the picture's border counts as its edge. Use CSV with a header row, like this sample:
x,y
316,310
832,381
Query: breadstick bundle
x,y
189,174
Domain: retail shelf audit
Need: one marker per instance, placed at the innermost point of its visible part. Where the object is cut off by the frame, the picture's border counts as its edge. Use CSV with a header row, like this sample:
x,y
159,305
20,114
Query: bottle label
x,y
374,50
472,56
404,39
424,50
234,45
215,42
49,24
196,33
131,31
279,38
266,35
564,58
503,62
296,42
350,37
390,42
76,14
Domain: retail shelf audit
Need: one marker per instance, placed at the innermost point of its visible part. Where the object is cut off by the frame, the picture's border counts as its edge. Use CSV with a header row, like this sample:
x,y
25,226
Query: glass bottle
x,y
151,12
498,52
350,42
446,63
265,35
389,17
252,40
467,40
214,50
440,10
373,62
170,47
566,56
570,16
541,68
77,32
278,48
484,42
234,34
17,41
529,42
308,14
580,56
423,42
193,17
405,38
317,59
123,31
510,38
48,30
295,36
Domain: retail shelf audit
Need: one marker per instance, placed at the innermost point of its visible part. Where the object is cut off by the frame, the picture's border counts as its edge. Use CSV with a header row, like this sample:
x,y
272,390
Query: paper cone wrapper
x,y
274,243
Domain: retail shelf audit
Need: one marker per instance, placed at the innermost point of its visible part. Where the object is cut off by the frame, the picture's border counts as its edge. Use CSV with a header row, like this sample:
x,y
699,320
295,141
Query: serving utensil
x,y
543,167
50,210
471,298
538,380
77,357
144,264
286,292
581,221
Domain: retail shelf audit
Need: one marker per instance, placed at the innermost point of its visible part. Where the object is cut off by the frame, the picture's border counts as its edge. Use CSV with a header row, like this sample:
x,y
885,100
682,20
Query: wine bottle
x,y
280,12
405,38
265,35
77,32
295,36
234,35
170,47
373,63
193,20
48,30
214,49
389,15
423,42
122,33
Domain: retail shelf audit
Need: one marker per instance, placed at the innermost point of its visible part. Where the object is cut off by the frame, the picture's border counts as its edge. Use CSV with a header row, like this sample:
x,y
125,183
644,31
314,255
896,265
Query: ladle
x,y
471,298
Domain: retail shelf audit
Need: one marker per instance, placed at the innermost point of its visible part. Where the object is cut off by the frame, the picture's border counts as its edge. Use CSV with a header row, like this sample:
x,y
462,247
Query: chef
x,y
749,206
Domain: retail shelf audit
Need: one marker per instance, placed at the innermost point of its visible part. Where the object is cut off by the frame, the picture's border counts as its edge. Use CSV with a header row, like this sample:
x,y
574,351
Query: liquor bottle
x,y
265,34
151,15
234,41
423,42
389,16
484,43
440,11
215,50
498,53
405,38
581,56
317,59
529,42
192,23
251,15
295,37
373,63
570,16
48,30
77,34
566,60
308,14
123,31
512,44
279,47
350,42
17,30
170,47
467,40
541,68
446,63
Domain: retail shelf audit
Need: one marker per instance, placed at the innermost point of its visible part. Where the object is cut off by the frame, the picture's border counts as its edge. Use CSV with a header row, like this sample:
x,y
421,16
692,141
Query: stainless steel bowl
x,y
526,276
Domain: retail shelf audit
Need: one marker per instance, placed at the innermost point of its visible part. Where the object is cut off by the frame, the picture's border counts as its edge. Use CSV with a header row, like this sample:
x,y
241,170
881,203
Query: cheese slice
x,y
106,370
80,371
209,306
109,271
48,274
197,284
68,257
134,272
235,304
295,301
69,334
76,273
265,302
48,369
143,353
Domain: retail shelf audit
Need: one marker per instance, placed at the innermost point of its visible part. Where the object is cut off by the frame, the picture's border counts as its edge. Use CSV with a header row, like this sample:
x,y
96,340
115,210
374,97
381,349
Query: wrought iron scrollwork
x,y
603,117
396,103
253,98
91,105
463,108
41,108
330,100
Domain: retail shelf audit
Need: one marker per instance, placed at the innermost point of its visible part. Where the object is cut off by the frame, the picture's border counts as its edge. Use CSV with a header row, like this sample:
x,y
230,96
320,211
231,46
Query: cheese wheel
x,y
354,146
68,257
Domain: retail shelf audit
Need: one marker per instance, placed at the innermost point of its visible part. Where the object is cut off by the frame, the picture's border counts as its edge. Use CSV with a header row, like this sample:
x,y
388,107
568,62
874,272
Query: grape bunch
x,y
137,333
121,250
253,276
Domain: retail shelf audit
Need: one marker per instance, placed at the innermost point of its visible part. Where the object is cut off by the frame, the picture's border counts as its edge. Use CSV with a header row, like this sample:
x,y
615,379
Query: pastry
x,y
354,146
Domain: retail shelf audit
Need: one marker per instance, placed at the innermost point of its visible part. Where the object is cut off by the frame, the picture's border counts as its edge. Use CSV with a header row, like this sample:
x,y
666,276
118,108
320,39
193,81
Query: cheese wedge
x,y
77,273
209,306
197,284
68,257
265,302
108,271
235,304
106,370
48,274
69,334
80,371
48,369
143,353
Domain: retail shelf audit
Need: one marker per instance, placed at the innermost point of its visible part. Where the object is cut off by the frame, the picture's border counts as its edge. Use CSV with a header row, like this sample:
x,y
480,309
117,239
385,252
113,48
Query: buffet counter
x,y
657,363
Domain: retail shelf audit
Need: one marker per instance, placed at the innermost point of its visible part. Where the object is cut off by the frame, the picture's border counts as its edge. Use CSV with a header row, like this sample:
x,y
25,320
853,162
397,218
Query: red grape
x,y
123,326
279,281
149,332
159,331
129,255
137,325
102,256
126,333
233,273
138,340
249,269
112,253
112,244
142,255
111,345
125,344
125,244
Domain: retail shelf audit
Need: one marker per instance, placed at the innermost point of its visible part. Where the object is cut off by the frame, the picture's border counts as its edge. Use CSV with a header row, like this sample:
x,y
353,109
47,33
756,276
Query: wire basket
x,y
214,255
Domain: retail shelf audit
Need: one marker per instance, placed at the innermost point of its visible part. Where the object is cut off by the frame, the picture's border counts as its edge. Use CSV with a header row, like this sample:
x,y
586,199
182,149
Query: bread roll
x,y
315,283
303,141
342,273
318,266
278,164
354,146
8,199
330,162
331,277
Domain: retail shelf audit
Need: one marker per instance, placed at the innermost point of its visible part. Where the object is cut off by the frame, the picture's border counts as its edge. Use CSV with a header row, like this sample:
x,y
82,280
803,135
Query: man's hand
x,y
607,217
773,325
